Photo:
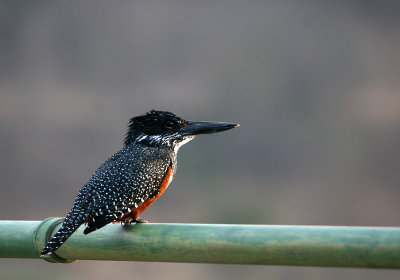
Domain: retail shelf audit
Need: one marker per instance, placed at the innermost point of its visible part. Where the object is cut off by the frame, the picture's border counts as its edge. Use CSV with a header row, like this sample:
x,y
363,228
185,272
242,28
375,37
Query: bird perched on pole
x,y
133,178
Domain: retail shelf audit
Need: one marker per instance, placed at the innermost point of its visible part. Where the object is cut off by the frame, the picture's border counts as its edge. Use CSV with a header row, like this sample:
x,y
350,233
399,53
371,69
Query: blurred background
x,y
314,84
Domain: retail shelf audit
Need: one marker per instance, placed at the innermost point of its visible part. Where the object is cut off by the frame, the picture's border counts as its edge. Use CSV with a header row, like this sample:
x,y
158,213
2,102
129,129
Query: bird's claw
x,y
139,221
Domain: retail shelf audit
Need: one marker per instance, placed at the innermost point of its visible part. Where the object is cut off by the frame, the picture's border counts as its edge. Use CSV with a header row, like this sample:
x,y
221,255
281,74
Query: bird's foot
x,y
139,221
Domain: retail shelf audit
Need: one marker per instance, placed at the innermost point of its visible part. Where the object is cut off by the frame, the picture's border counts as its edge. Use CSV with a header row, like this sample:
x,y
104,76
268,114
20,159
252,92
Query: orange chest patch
x,y
163,186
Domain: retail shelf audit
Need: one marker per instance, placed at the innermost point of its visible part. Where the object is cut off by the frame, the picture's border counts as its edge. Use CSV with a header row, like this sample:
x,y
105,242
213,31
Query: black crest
x,y
153,123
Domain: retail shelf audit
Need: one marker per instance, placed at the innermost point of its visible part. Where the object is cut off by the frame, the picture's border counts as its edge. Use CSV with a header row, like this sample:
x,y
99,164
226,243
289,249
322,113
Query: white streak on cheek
x,y
155,138
142,138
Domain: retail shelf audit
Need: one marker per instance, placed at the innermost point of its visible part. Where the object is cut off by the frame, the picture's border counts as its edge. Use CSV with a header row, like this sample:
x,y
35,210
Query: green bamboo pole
x,y
373,247
16,239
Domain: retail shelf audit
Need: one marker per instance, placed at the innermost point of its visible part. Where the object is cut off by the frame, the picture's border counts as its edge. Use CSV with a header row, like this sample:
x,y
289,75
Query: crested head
x,y
154,127
161,128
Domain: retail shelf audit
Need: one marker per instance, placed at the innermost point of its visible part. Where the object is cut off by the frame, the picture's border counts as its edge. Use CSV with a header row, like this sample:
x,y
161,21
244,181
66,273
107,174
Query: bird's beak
x,y
195,128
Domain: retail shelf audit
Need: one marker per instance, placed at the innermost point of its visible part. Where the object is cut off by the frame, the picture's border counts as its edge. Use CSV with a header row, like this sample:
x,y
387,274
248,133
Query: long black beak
x,y
196,128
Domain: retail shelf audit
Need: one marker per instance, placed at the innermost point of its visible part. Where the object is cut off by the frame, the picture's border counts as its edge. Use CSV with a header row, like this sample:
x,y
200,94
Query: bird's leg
x,y
127,220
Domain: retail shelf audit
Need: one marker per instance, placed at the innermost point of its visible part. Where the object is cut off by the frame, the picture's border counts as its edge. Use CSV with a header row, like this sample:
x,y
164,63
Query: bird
x,y
133,178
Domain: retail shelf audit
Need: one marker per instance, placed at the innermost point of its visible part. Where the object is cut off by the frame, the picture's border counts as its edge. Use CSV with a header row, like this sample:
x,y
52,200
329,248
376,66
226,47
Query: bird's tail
x,y
69,226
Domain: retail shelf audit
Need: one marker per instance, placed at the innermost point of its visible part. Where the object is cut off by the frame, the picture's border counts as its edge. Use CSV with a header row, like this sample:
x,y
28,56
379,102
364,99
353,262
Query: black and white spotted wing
x,y
118,186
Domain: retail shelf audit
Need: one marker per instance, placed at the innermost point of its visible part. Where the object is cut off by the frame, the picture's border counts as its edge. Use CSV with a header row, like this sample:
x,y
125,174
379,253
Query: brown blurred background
x,y
314,84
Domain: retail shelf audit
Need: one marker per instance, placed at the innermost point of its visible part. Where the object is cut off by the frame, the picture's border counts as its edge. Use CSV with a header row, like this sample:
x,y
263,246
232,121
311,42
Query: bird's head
x,y
157,128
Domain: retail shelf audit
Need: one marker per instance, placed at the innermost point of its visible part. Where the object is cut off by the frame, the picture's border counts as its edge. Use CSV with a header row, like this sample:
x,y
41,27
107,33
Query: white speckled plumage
x,y
131,176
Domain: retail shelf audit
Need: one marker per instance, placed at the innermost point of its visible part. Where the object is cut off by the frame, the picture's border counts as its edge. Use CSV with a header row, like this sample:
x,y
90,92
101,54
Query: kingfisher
x,y
134,177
